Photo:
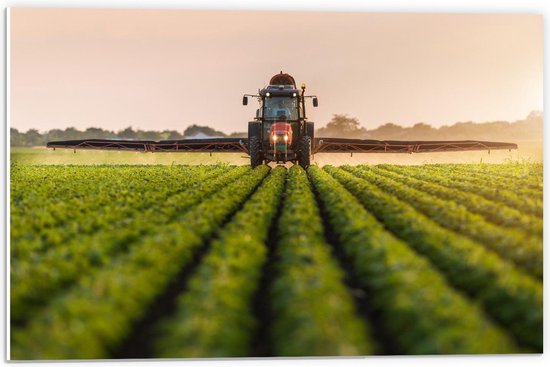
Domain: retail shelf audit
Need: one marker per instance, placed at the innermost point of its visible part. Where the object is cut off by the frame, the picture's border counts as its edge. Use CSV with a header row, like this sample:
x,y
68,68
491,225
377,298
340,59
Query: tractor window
x,y
277,107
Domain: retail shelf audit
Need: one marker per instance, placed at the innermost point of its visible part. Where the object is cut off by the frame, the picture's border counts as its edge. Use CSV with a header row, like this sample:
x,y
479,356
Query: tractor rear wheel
x,y
305,151
254,146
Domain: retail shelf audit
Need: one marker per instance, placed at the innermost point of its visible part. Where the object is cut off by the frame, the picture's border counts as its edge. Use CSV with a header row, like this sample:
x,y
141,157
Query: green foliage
x,y
313,311
509,295
492,211
524,250
86,322
438,255
34,281
214,316
488,188
420,312
64,212
524,186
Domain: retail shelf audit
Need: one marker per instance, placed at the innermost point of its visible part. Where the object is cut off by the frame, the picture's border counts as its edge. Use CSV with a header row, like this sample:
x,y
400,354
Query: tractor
x,y
280,132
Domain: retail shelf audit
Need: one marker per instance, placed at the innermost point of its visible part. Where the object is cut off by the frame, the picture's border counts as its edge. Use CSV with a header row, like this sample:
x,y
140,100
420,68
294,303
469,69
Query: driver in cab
x,y
281,110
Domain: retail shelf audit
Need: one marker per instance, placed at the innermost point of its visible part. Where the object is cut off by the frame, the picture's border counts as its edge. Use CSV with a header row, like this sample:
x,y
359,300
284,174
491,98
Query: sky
x,y
168,69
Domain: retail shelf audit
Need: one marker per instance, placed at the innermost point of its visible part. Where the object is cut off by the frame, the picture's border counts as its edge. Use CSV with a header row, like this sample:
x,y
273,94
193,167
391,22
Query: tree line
x,y
530,128
34,138
341,125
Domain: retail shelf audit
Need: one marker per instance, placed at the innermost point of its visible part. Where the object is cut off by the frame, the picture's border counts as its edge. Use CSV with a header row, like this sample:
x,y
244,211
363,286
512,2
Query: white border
x,y
418,6
6,183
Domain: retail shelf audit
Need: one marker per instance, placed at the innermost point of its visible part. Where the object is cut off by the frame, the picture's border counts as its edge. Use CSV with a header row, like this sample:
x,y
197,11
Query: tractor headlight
x,y
274,137
286,137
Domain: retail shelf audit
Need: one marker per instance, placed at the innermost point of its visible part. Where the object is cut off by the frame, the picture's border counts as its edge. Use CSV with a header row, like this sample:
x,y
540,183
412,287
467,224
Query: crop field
x,y
192,261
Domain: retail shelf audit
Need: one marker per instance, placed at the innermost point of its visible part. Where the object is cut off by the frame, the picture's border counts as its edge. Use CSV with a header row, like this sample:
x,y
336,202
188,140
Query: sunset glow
x,y
167,69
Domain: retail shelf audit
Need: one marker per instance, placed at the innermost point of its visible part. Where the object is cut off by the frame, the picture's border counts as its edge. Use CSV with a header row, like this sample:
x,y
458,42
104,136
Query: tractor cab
x,y
277,108
281,116
280,132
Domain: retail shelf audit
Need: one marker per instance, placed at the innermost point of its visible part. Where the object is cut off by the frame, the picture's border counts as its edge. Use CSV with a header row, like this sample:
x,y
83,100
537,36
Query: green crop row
x,y
527,174
531,186
31,182
521,186
214,316
313,313
492,211
527,205
419,312
34,282
519,170
90,218
91,193
385,259
507,189
510,296
79,191
87,322
511,244
95,212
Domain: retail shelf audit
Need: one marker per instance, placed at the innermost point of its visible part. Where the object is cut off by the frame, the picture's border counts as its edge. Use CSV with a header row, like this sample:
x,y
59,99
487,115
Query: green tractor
x,y
280,132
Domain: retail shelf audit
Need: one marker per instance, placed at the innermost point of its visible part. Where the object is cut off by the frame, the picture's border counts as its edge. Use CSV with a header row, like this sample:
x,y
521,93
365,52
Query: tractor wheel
x,y
305,151
256,158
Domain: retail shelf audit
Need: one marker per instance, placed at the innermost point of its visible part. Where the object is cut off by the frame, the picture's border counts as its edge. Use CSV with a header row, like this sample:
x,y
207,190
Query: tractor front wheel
x,y
254,147
305,151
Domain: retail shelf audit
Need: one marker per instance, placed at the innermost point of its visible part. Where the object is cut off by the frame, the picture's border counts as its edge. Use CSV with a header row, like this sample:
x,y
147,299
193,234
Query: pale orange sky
x,y
167,69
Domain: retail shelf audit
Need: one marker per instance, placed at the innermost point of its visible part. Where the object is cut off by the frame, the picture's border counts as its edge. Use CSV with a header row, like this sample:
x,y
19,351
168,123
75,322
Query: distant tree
x,y
127,133
422,131
237,134
171,135
387,131
94,132
148,135
530,128
206,130
71,133
535,115
34,138
342,126
55,134
17,139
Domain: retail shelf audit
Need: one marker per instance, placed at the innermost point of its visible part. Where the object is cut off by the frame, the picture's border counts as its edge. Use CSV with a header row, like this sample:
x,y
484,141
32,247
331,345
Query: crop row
x,y
242,262
313,311
525,204
34,282
511,244
56,222
214,316
510,296
419,312
494,212
30,185
522,186
524,173
90,217
87,322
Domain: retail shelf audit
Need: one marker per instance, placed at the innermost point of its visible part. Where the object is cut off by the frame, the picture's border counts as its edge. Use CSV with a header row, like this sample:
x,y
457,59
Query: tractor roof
x,y
282,79
280,90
